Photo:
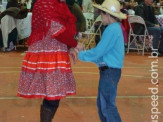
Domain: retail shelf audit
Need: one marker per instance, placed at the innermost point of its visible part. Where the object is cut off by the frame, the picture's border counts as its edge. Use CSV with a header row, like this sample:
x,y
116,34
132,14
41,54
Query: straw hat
x,y
112,7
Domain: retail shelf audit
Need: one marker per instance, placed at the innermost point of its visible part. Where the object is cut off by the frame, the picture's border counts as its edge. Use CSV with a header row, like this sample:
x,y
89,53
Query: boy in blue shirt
x,y
109,56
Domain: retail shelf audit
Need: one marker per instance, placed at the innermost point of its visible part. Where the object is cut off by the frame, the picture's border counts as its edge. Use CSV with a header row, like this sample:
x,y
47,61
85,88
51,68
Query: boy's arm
x,y
107,42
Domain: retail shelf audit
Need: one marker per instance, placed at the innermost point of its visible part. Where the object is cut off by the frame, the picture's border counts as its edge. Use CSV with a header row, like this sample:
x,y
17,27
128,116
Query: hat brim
x,y
119,15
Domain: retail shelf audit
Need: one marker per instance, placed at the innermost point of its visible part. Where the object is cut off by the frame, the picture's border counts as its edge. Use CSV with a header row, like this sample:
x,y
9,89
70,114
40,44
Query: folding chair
x,y
136,41
91,33
89,17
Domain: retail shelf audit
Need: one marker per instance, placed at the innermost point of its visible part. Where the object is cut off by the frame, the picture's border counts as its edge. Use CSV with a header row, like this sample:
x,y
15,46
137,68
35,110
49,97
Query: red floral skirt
x,y
46,71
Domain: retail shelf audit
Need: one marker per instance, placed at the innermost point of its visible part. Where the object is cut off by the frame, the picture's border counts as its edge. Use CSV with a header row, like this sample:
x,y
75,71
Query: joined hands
x,y
73,52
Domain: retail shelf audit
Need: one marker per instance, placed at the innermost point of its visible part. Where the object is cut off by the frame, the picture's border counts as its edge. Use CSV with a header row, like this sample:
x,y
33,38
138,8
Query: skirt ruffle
x,y
46,72
51,85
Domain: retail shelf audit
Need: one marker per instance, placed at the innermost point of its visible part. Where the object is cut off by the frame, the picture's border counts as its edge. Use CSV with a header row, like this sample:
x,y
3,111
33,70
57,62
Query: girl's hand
x,y
73,55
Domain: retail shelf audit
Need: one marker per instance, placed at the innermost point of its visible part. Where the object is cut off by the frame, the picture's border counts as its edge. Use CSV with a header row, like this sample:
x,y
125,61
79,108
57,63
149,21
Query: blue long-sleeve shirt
x,y
110,49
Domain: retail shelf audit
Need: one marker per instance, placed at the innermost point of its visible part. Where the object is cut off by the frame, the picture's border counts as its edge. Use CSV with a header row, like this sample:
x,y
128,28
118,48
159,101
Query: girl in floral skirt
x,y
46,69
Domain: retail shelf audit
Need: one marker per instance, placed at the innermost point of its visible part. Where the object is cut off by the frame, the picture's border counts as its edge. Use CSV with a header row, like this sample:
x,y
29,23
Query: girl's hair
x,y
70,2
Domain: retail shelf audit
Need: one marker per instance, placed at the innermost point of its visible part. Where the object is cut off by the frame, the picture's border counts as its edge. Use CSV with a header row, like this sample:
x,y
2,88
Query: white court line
x,y
93,97
84,97
135,76
91,67
10,67
9,72
126,67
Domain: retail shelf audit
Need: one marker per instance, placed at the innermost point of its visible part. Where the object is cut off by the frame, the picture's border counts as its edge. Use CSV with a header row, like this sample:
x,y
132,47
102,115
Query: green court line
x,y
86,97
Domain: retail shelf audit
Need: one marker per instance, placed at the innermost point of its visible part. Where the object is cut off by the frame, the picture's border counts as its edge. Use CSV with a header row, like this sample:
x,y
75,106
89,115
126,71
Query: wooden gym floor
x,y
134,101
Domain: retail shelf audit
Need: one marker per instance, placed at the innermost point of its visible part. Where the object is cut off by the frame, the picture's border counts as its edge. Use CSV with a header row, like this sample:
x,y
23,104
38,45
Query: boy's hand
x,y
80,46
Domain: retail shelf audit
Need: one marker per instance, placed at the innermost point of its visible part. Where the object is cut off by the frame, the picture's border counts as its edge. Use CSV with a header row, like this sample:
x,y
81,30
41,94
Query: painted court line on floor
x,y
135,76
83,97
10,67
92,67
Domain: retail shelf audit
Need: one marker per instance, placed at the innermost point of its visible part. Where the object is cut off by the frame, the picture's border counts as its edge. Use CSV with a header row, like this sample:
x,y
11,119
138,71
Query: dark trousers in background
x,y
157,37
12,37
1,39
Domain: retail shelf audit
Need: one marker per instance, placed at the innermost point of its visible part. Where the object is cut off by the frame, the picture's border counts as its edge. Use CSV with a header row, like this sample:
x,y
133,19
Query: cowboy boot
x,y
46,114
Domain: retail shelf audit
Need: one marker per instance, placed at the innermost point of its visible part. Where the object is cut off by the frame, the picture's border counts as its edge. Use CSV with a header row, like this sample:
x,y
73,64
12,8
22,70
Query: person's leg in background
x,y
161,42
12,39
1,39
48,110
156,32
107,95
157,39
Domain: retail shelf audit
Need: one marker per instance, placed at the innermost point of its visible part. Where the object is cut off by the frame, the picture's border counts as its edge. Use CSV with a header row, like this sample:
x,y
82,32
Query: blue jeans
x,y
107,92
157,37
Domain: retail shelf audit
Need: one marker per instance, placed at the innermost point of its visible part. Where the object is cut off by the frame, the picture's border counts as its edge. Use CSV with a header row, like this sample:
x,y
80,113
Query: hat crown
x,y
111,5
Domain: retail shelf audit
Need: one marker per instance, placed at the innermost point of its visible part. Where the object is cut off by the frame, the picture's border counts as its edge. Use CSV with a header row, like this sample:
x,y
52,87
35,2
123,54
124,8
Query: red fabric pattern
x,y
46,62
46,12
126,26
46,71
65,36
124,34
